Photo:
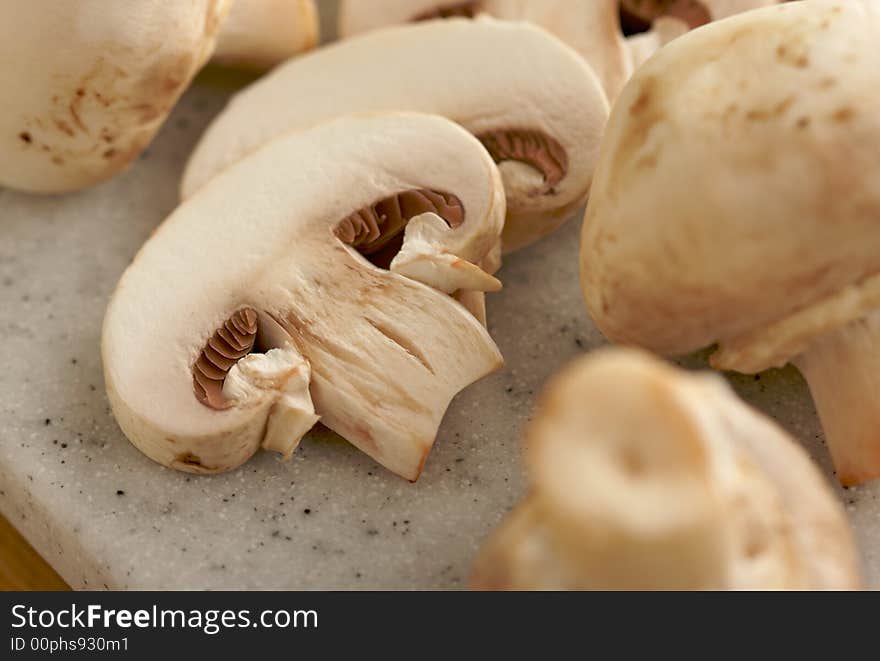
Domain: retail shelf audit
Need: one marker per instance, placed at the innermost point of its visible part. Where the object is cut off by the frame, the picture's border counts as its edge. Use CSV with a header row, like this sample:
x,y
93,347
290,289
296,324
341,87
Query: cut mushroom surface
x,y
267,259
644,476
743,210
536,105
262,33
591,27
87,84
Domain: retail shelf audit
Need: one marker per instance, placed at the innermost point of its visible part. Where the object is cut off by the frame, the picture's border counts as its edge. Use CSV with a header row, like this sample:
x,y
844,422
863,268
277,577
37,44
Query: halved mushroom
x,y
743,210
262,33
648,477
651,24
529,98
591,27
87,84
278,257
594,28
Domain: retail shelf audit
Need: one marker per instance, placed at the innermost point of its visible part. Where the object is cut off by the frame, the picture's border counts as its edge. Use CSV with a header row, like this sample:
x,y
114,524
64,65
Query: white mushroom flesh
x,y
591,27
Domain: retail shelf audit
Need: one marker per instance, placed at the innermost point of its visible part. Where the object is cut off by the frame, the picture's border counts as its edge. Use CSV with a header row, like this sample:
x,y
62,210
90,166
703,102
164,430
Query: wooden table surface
x,y
21,568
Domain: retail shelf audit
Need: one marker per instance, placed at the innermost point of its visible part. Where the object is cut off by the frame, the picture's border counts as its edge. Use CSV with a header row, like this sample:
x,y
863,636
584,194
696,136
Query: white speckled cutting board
x,y
107,517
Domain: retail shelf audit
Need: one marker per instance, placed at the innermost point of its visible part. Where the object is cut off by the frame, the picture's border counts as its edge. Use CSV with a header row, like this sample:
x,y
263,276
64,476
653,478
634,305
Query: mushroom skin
x,y
377,353
644,476
743,211
493,77
261,33
104,75
591,27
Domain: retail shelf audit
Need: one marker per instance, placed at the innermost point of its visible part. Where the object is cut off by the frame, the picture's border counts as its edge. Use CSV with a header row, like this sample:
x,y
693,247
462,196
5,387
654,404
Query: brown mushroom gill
x,y
534,148
376,231
229,344
636,16
450,10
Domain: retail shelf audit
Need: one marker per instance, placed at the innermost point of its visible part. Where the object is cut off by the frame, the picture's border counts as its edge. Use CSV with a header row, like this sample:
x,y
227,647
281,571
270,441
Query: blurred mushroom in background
x,y
644,476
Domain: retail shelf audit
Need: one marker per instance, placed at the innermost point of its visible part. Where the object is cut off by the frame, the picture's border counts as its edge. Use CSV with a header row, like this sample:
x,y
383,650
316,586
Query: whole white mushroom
x,y
87,84
743,210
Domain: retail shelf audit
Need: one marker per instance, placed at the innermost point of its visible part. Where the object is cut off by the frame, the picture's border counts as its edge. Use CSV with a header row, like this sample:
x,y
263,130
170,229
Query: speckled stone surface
x,y
107,517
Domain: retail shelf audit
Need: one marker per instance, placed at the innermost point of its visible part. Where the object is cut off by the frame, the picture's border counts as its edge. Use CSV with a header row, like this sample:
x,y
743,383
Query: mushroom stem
x,y
687,556
261,33
842,369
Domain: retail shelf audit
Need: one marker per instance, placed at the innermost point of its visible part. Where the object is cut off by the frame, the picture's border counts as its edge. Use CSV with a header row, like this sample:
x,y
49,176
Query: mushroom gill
x,y
534,148
373,229
450,10
637,16
229,344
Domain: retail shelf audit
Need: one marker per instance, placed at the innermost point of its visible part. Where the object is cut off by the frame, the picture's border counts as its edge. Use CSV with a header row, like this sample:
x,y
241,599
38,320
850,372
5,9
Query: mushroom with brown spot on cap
x,y
87,84
648,477
528,97
743,210
311,279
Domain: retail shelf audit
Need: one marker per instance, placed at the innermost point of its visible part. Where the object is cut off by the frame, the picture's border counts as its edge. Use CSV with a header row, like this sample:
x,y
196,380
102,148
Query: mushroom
x,y
644,476
535,105
651,24
591,27
87,84
594,28
262,33
743,211
284,283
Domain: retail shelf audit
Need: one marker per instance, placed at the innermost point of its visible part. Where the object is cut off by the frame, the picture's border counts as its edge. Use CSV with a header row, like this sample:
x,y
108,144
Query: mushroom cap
x,y
591,27
648,476
725,202
487,75
87,84
262,33
387,353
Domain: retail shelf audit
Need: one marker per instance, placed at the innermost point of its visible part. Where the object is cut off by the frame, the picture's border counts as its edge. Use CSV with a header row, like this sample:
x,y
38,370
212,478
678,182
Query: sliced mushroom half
x,y
86,84
529,98
648,477
743,210
591,27
266,293
594,28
